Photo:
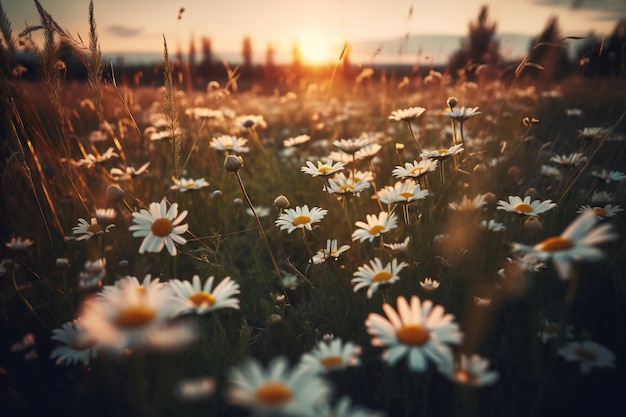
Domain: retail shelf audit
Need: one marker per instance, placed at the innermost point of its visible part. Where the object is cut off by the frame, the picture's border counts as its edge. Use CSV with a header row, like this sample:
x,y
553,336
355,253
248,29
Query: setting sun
x,y
315,49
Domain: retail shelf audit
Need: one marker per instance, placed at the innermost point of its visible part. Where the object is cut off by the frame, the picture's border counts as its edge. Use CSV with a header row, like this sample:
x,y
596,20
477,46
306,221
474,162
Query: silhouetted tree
x,y
192,52
207,53
246,53
270,66
478,50
548,50
604,59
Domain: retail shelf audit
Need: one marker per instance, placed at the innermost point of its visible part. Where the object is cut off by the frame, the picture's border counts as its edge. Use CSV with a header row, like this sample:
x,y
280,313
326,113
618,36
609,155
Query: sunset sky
x,y
320,27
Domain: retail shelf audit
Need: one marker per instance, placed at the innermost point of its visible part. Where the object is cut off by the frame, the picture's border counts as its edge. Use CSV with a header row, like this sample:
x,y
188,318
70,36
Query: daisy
x,y
290,281
589,354
418,331
260,211
196,388
375,226
571,159
126,174
473,371
250,121
609,176
601,212
193,297
351,146
86,230
92,275
602,197
325,169
300,218
105,215
330,356
525,206
342,185
592,132
185,184
331,251
298,140
468,205
575,244
429,284
276,390
77,346
406,115
399,247
229,143
375,275
130,315
550,171
443,153
550,330
160,227
91,160
492,226
461,114
19,243
343,408
368,151
402,192
415,169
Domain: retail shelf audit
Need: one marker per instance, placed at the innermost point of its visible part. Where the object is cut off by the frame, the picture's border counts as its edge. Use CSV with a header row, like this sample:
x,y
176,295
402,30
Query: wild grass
x,y
500,307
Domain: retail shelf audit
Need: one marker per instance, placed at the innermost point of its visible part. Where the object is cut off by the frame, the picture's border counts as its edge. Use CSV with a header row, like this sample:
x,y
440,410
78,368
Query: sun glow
x,y
315,49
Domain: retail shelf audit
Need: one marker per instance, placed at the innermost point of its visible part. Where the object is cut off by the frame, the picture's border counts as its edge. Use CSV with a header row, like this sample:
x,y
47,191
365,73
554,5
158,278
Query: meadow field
x,y
366,245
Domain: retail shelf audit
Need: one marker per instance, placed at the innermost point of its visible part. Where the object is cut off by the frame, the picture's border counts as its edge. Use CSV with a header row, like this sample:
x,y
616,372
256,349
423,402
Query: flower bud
x,y
532,226
114,194
233,163
281,202
452,102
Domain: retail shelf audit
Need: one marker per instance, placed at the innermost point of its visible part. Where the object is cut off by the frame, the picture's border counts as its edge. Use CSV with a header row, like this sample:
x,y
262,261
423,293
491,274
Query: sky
x,y
319,27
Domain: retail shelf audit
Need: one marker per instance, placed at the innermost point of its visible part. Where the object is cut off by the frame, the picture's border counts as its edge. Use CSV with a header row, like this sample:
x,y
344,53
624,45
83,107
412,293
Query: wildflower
x,y
351,146
375,226
602,197
331,251
402,192
105,215
86,230
550,330
331,356
468,205
27,342
325,169
482,301
609,176
399,247
343,408
250,121
415,169
77,346
276,390
375,275
130,315
461,114
368,151
126,174
592,132
589,354
184,184
429,284
342,185
92,276
576,243
525,206
406,115
195,389
418,331
601,212
492,225
299,218
160,227
19,243
290,281
193,297
473,371
571,159
91,160
443,153
229,143
550,171
260,211
298,140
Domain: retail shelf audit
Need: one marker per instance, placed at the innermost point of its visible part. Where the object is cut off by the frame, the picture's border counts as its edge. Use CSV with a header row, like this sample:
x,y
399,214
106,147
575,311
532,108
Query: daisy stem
x,y
309,252
374,185
453,131
419,150
24,299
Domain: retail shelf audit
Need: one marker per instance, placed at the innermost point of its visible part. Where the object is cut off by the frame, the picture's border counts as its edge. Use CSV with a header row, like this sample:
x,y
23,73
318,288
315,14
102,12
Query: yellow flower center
x,y
523,208
406,195
324,169
442,151
191,184
161,227
417,170
202,298
550,328
346,187
599,211
82,342
330,362
273,393
382,276
94,228
228,144
555,243
301,219
464,376
135,316
413,334
374,230
585,354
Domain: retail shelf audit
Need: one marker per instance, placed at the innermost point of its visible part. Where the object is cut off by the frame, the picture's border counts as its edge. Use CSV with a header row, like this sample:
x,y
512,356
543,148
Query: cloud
x,y
608,9
123,31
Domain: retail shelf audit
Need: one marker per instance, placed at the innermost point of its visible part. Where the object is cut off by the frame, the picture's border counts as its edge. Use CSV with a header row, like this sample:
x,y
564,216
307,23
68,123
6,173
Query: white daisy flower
x,y
525,206
462,114
160,227
325,169
374,275
196,388
229,143
351,146
368,151
402,192
290,281
77,346
473,371
415,169
105,215
184,184
331,251
19,243
85,230
91,160
406,115
330,356
344,408
443,153
341,184
298,140
602,197
589,354
468,205
609,210
550,171
492,226
276,390
429,284
250,121
93,274
193,297
300,218
375,226
575,244
399,247
418,331
550,330
609,176
126,174
571,159
592,132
